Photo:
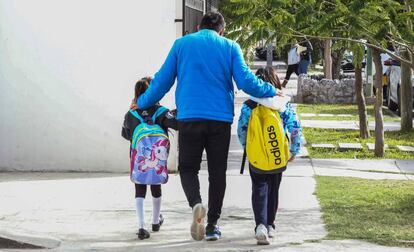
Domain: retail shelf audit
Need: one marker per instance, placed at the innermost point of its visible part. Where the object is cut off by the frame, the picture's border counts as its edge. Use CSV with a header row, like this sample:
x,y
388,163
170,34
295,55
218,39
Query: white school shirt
x,y
277,102
293,56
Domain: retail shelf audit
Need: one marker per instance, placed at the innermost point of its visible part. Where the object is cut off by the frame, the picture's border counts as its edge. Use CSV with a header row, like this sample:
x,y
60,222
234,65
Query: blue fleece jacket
x,y
204,64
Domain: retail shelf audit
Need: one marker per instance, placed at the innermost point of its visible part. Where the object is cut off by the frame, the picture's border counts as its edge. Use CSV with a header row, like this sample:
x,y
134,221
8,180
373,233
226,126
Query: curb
x,y
31,241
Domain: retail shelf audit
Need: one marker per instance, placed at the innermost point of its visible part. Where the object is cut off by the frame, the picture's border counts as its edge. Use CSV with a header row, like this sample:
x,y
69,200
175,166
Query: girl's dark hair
x,y
269,74
141,86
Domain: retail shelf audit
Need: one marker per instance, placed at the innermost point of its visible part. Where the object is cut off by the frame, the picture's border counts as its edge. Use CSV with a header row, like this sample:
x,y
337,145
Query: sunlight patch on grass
x,y
379,211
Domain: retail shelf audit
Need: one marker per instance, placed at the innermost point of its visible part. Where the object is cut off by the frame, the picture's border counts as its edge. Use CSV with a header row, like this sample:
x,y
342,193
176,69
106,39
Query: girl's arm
x,y
167,120
243,124
126,130
292,124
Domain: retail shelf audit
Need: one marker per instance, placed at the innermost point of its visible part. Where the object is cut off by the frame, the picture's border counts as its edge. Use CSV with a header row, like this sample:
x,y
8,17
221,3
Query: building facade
x,y
67,73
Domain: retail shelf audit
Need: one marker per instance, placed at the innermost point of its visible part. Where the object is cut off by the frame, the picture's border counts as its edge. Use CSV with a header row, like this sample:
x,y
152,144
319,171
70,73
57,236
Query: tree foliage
x,y
375,23
350,23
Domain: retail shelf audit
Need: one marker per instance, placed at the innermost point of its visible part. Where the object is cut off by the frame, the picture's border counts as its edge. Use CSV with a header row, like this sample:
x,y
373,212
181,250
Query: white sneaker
x,y
197,227
262,235
271,231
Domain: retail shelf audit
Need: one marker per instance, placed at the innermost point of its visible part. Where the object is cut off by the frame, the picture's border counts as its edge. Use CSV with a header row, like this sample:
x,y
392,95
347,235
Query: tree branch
x,y
379,48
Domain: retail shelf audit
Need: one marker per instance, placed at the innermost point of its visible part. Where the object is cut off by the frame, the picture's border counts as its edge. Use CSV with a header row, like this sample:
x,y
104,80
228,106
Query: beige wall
x,y
67,71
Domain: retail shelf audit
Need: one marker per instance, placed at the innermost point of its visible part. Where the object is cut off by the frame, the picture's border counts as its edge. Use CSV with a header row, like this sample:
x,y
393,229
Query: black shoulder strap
x,y
251,104
243,161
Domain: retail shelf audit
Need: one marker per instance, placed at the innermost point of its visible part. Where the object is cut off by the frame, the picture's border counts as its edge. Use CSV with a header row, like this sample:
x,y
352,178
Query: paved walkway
x,y
88,211
96,211
326,124
368,169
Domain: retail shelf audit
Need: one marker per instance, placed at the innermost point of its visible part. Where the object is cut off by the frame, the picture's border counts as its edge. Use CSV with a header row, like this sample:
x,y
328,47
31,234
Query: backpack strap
x,y
135,114
243,161
159,112
251,104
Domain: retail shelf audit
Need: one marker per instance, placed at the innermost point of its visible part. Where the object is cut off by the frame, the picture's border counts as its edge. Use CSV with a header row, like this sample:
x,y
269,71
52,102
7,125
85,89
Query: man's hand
x,y
134,105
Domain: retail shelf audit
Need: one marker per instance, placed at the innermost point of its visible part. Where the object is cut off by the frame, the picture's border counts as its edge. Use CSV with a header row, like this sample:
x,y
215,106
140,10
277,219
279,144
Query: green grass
x,y
335,136
335,109
379,211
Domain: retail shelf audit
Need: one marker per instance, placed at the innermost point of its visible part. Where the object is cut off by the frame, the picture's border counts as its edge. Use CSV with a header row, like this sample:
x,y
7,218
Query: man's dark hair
x,y
213,21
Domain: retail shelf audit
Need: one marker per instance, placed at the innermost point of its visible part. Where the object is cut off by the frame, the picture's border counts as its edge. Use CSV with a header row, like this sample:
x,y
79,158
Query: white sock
x,y
140,211
156,208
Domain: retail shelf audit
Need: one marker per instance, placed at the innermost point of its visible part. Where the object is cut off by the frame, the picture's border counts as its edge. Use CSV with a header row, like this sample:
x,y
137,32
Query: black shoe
x,y
156,227
212,232
143,234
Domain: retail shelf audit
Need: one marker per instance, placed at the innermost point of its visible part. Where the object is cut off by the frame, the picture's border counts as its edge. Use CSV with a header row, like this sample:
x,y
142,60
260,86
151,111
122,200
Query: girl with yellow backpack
x,y
263,132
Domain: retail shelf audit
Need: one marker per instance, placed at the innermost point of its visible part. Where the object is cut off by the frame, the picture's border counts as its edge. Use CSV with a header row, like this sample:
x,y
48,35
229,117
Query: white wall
x,y
67,72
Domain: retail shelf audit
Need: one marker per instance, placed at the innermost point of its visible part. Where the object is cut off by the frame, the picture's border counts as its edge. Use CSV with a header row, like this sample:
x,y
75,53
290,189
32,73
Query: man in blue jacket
x,y
204,64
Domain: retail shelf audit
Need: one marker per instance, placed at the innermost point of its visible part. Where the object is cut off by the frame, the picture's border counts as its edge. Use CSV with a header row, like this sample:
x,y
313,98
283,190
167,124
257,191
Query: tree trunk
x,y
379,120
337,56
406,94
328,58
269,55
412,57
362,109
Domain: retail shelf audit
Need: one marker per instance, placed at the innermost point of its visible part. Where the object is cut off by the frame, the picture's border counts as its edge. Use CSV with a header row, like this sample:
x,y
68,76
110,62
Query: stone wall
x,y
325,91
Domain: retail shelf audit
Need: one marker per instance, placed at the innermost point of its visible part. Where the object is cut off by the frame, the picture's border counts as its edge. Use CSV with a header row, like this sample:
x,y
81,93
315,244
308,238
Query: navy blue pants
x,y
303,66
265,197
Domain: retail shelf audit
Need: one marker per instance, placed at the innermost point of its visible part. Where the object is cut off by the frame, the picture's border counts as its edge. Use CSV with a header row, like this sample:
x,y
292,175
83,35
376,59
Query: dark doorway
x,y
194,11
192,19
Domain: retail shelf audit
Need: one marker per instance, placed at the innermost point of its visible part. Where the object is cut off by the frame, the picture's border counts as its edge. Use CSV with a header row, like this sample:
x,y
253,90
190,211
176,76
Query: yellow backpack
x,y
267,145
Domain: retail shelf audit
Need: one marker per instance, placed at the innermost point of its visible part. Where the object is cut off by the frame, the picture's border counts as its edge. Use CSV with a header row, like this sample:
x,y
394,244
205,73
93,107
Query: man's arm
x,y
162,82
246,80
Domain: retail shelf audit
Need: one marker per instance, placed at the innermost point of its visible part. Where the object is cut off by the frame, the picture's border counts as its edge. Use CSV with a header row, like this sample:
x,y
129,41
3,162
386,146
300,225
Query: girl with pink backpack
x,y
147,130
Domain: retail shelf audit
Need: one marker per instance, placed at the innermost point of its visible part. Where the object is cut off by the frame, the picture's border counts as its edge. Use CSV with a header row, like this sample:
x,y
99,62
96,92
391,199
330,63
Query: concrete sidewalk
x,y
354,125
72,212
367,169
90,212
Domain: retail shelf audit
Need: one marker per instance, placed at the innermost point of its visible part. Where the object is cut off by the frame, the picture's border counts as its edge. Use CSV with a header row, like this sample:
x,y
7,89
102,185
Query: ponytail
x,y
141,86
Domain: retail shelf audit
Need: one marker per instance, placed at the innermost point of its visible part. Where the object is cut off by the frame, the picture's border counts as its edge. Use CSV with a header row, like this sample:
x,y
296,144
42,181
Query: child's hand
x,y
134,105
279,92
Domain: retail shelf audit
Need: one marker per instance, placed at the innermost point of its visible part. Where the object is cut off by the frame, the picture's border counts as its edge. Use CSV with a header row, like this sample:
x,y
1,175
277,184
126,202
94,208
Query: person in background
x,y
305,57
386,61
293,64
